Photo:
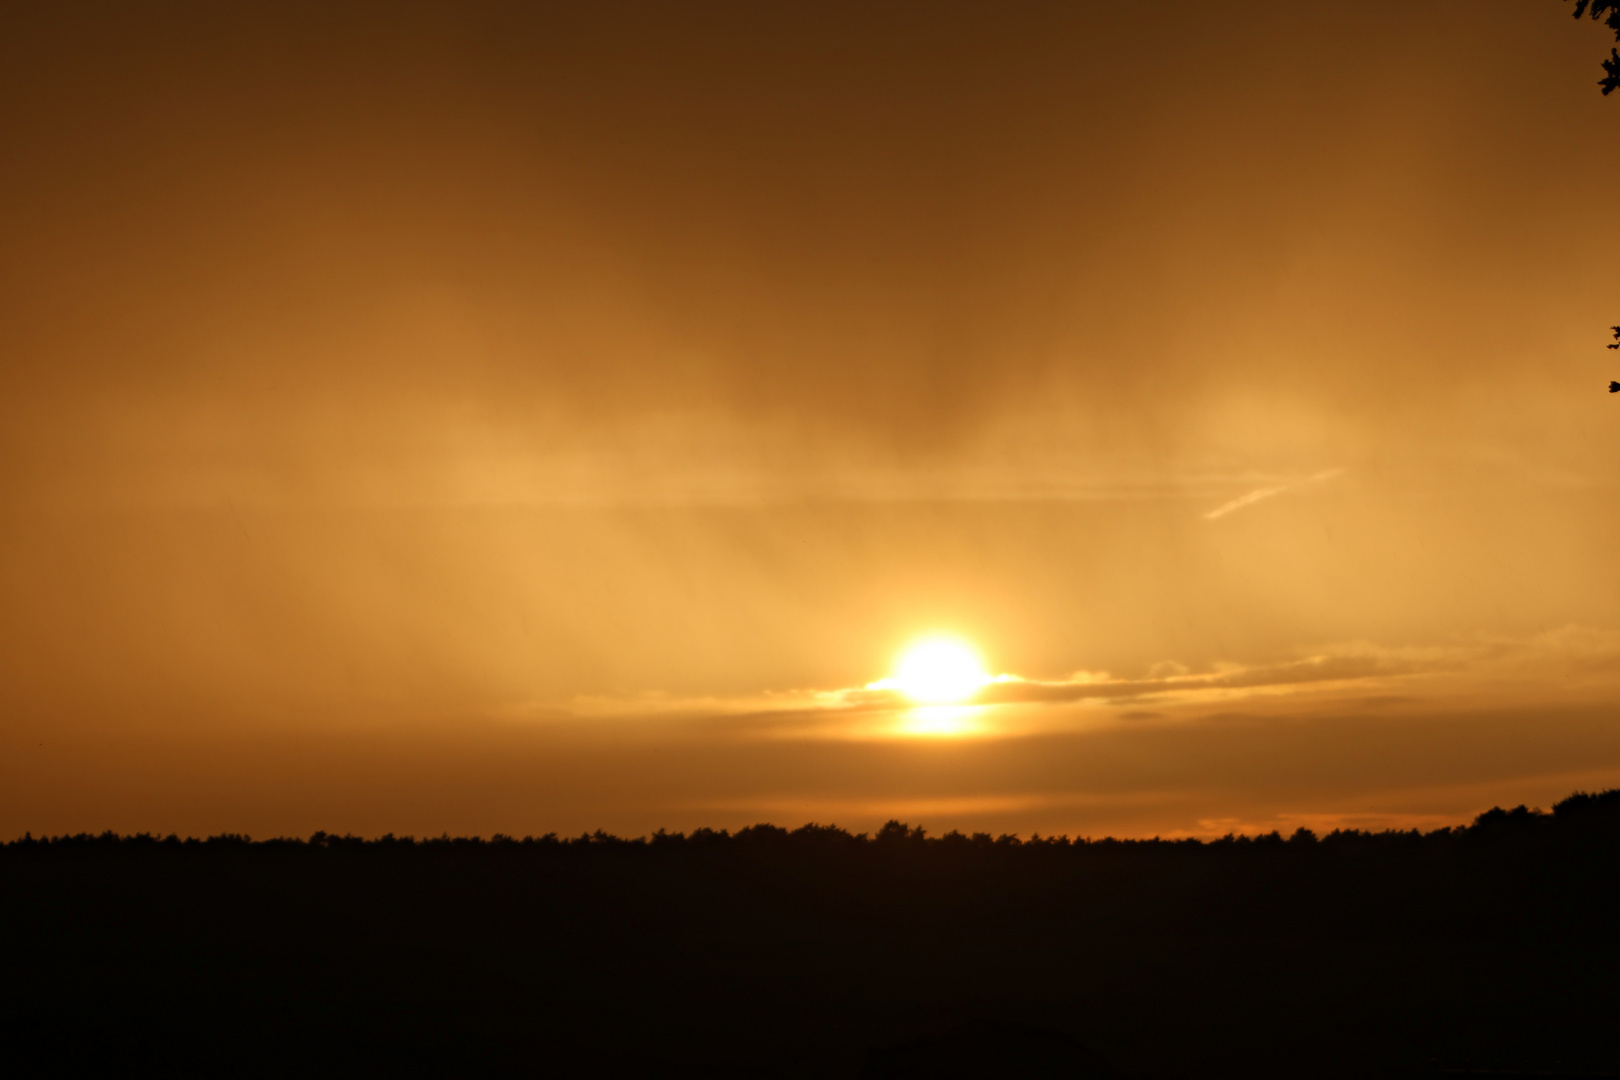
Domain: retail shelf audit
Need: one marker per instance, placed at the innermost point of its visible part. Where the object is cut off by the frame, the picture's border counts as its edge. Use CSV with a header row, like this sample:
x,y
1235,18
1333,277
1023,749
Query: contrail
x,y
1260,494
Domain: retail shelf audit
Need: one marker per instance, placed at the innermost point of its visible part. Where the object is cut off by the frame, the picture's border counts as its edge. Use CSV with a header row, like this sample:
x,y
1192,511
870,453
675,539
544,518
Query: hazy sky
x,y
515,417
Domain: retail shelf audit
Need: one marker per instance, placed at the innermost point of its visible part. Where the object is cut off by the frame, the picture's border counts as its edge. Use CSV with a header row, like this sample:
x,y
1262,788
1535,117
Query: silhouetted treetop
x,y
1609,12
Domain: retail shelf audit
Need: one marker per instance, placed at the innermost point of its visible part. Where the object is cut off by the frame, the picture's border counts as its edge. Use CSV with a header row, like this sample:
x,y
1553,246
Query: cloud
x,y
1561,665
1314,669
1261,494
863,712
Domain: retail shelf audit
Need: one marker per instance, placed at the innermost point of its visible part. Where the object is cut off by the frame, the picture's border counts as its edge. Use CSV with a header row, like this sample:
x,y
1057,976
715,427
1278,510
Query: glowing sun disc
x,y
937,671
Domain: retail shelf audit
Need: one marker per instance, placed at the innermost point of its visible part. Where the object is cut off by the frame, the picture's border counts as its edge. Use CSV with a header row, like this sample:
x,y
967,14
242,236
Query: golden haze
x,y
504,417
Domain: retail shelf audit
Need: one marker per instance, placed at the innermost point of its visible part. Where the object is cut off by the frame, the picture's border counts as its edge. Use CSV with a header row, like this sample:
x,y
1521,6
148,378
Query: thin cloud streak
x,y
1261,494
1582,660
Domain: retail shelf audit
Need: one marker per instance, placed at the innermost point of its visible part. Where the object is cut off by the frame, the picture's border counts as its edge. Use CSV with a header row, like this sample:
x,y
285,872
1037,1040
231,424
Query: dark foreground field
x,y
1491,949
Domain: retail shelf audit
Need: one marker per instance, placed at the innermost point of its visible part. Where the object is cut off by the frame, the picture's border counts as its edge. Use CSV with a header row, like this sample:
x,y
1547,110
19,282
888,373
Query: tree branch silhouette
x,y
1609,12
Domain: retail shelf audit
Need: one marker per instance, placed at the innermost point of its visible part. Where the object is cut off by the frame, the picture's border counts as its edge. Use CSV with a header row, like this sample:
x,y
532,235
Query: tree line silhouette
x,y
818,952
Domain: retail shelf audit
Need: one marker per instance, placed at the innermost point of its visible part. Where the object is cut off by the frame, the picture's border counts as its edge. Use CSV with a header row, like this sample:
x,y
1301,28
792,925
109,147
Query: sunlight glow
x,y
937,671
942,721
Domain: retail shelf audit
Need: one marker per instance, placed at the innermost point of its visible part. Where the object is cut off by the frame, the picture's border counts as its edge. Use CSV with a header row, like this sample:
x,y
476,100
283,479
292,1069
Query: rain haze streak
x,y
494,416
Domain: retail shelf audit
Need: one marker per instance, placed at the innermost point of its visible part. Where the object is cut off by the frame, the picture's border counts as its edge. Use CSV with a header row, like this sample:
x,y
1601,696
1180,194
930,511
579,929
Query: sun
x,y
935,671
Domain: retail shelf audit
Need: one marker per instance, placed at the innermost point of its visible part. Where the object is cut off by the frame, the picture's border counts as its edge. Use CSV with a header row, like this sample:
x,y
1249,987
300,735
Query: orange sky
x,y
501,417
